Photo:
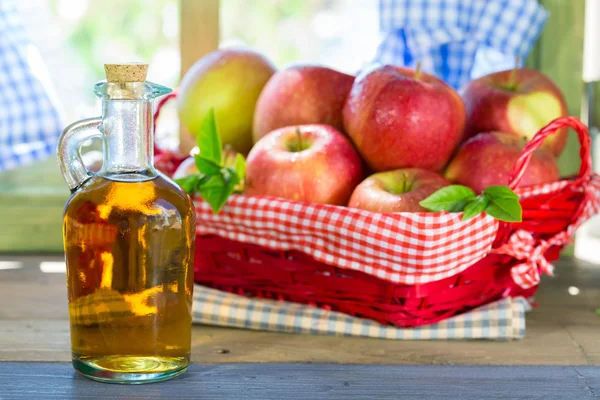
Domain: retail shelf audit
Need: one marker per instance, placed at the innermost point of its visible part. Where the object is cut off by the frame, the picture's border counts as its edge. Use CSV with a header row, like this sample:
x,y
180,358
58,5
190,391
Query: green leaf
x,y
504,210
475,207
499,192
233,175
240,166
216,182
189,183
206,166
503,204
217,189
209,141
451,198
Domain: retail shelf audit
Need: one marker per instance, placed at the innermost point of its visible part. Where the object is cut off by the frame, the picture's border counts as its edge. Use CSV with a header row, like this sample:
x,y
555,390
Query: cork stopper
x,y
126,72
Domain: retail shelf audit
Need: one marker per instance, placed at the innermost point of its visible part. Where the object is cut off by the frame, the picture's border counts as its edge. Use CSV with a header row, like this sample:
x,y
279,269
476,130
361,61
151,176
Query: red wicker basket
x,y
551,213
249,269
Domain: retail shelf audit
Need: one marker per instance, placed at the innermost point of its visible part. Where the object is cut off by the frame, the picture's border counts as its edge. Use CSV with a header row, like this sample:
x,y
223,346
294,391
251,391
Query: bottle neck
x,y
128,141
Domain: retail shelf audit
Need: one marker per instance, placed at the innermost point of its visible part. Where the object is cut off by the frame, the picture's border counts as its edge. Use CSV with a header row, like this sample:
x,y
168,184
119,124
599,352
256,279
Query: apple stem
x,y
513,74
228,155
406,186
418,70
299,137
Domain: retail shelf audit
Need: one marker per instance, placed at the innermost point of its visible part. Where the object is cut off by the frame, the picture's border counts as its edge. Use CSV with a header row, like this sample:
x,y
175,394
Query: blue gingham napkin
x,y
458,40
502,320
29,121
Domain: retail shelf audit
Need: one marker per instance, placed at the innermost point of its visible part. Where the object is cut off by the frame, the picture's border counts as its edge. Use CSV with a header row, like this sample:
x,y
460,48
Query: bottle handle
x,y
69,150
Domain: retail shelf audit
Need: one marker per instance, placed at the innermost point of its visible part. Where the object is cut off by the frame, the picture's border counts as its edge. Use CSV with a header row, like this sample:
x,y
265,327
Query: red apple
x,y
187,167
521,102
167,161
299,95
399,190
313,163
399,118
487,159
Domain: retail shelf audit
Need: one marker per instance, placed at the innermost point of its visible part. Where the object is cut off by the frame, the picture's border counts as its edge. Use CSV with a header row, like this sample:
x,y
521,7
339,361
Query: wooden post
x,y
199,35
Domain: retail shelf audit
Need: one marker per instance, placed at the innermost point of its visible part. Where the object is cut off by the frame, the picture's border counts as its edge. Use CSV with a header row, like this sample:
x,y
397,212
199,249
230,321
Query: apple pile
x,y
381,141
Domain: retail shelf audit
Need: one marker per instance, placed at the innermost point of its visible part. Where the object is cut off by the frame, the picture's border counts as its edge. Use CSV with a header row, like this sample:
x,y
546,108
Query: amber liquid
x,y
129,253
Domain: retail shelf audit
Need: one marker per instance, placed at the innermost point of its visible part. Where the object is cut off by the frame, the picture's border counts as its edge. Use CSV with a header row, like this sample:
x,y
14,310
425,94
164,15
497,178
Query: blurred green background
x,y
75,38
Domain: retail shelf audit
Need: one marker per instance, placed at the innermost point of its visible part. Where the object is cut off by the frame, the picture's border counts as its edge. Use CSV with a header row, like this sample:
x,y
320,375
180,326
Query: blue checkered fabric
x,y
29,121
458,40
501,320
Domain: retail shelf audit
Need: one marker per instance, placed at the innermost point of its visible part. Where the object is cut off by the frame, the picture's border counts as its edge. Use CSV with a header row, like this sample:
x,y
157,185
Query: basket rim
x,y
524,192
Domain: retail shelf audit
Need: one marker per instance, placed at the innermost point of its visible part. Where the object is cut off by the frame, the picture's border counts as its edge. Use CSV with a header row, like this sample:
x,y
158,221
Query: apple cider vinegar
x,y
129,236
129,267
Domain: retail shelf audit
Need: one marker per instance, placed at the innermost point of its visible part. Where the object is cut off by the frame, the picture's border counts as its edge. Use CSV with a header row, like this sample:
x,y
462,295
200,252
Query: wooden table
x,y
557,358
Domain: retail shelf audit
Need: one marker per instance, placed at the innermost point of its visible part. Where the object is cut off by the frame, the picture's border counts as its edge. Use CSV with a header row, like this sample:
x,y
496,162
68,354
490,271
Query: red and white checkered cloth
x,y
410,248
407,248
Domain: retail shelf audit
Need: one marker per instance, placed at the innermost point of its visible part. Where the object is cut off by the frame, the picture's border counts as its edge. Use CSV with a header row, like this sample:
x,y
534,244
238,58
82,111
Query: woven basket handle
x,y
564,122
159,106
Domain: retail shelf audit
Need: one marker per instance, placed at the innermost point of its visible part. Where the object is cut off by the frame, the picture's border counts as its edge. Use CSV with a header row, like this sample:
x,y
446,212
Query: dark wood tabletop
x,y
557,358
251,381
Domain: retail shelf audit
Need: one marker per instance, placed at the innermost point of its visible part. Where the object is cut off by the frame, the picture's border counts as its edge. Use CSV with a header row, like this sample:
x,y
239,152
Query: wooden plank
x,y
199,35
325,381
199,30
32,199
35,340
546,344
562,331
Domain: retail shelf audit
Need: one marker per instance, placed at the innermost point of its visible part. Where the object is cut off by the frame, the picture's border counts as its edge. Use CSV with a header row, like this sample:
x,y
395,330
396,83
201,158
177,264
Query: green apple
x,y
230,81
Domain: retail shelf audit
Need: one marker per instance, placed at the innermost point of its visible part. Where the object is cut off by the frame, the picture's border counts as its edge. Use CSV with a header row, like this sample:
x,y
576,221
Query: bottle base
x,y
130,369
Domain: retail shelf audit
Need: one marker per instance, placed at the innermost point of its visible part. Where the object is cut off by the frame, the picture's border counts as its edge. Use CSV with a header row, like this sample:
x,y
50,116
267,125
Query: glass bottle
x,y
129,242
